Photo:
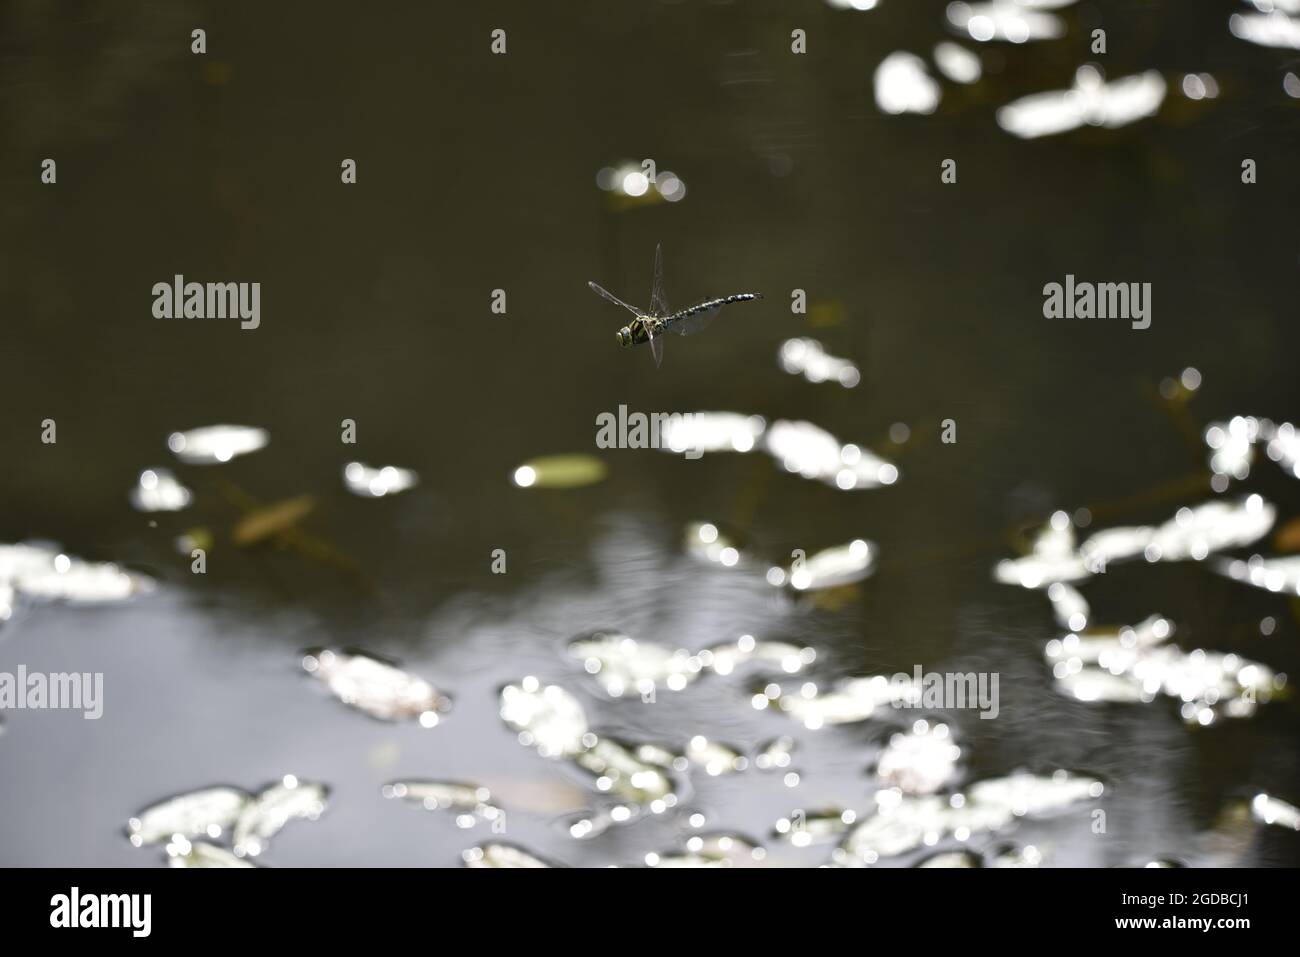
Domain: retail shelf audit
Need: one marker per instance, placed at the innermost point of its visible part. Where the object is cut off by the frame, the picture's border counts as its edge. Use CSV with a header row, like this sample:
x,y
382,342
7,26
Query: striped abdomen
x,y
711,304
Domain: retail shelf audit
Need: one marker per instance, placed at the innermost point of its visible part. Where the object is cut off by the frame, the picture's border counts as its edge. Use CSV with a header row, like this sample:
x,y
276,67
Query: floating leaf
x,y
200,854
501,855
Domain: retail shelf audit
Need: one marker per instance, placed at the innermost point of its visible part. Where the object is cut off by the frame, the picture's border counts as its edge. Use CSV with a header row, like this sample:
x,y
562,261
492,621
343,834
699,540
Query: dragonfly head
x,y
625,336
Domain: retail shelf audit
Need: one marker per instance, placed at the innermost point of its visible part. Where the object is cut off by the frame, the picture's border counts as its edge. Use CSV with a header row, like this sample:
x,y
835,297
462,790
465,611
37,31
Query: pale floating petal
x,y
814,453
1069,606
1272,29
622,664
440,795
711,432
902,85
1012,855
501,855
725,659
951,859
1015,22
1090,102
216,443
804,828
807,357
833,567
368,482
1274,574
560,471
713,757
1114,545
1211,527
704,541
853,699
775,755
157,490
957,63
1271,810
548,718
201,854
375,687
265,816
620,772
210,812
919,761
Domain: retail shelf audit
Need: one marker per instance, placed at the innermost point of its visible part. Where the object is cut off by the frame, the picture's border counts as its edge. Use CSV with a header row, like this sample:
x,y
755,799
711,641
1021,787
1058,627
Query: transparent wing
x,y
696,323
613,298
658,297
656,343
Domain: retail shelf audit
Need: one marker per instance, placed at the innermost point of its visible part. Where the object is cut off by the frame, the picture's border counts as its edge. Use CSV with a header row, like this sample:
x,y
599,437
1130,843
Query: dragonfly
x,y
650,325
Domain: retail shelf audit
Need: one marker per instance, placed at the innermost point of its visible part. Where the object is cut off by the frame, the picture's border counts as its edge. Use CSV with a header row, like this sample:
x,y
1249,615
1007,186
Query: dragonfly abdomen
x,y
711,304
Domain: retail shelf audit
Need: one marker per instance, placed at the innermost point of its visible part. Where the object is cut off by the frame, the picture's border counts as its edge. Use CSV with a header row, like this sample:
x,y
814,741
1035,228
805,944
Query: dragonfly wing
x,y
656,344
696,323
613,298
658,297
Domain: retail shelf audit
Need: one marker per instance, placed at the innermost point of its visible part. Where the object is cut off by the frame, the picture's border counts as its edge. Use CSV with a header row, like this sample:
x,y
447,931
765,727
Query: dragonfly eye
x,y
625,336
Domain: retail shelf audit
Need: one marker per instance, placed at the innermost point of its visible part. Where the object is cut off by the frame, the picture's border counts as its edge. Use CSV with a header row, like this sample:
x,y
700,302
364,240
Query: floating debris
x,y
368,482
712,850
157,490
1211,527
814,453
592,823
200,854
470,802
1014,21
922,760
725,659
829,568
548,718
1135,665
1274,574
1271,810
903,85
500,855
1090,102
266,815
957,63
712,432
376,687
269,521
210,812
216,443
852,699
621,663
805,828
560,471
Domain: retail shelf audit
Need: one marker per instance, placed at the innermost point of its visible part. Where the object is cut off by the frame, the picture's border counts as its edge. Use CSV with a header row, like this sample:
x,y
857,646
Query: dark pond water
x,y
478,172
